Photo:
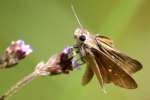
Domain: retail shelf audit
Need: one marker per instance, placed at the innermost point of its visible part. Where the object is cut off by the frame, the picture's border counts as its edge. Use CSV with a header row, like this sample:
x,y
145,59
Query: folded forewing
x,y
118,76
88,75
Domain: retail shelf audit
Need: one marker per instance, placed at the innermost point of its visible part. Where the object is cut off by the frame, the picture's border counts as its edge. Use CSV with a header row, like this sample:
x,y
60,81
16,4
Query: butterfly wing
x,y
105,40
94,66
115,74
102,66
127,63
88,75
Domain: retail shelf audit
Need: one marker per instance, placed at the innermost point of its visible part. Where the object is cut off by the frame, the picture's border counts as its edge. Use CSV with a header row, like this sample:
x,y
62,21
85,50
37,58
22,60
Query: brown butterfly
x,y
104,60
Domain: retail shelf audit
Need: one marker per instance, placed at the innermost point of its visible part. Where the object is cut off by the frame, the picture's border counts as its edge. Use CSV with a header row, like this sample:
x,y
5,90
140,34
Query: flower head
x,y
68,61
62,62
75,64
19,49
51,67
67,50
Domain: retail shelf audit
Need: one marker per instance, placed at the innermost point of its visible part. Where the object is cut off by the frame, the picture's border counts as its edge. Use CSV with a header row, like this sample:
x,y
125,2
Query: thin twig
x,y
27,79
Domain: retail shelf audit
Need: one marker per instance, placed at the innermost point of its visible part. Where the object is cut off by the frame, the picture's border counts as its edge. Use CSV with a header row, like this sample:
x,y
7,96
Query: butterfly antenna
x,y
75,14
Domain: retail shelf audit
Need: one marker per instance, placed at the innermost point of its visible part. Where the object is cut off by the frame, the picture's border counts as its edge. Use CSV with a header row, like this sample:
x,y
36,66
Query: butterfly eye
x,y
82,38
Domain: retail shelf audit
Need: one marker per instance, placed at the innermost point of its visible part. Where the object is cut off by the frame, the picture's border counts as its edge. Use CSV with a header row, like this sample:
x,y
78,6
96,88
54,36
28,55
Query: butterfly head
x,y
81,35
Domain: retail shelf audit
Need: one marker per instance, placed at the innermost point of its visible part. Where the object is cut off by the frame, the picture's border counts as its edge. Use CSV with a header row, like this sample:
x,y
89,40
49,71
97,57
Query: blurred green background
x,y
48,25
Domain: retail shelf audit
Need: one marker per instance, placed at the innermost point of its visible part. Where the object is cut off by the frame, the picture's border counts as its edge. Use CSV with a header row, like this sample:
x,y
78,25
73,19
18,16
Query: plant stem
x,y
27,79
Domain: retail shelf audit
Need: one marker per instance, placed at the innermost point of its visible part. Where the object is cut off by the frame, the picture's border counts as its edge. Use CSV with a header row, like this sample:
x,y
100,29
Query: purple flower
x,y
25,48
19,49
75,64
68,59
67,50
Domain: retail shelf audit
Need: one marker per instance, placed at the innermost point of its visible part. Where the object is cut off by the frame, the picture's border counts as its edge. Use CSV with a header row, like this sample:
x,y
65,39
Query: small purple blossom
x,y
25,48
68,59
19,49
67,50
75,64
